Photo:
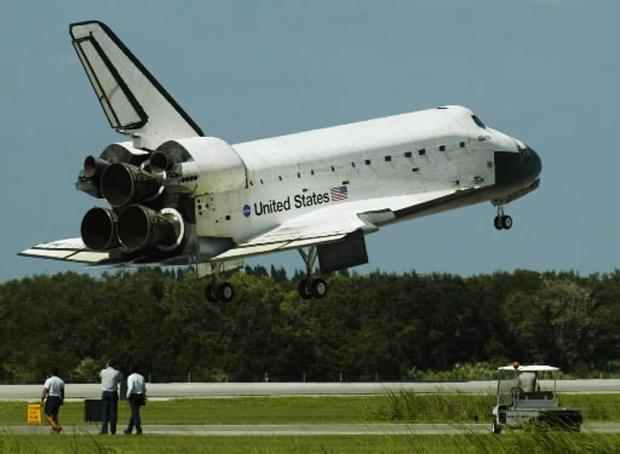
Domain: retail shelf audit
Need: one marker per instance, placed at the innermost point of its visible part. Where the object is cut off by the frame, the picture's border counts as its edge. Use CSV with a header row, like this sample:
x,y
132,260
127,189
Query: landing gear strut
x,y
311,286
502,221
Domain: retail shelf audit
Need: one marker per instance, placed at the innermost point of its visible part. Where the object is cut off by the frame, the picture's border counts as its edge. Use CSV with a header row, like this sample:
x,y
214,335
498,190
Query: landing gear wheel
x,y
304,290
502,222
506,222
318,288
497,222
497,429
226,292
211,293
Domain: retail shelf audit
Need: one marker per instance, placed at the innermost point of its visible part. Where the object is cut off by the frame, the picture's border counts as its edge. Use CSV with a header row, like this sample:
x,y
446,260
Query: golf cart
x,y
523,399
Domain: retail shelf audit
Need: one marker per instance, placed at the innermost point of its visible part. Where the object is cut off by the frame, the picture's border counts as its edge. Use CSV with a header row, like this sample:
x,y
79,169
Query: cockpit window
x,y
478,121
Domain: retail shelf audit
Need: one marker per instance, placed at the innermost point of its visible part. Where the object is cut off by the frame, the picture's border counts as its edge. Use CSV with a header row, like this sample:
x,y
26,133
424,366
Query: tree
x,y
279,274
381,324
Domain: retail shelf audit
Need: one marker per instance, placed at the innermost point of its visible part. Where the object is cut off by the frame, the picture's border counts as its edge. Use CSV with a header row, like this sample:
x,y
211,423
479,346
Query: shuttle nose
x,y
517,169
531,163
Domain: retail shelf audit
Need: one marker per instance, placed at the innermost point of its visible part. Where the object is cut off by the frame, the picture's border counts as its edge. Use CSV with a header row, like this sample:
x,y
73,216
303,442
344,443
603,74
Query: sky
x,y
546,72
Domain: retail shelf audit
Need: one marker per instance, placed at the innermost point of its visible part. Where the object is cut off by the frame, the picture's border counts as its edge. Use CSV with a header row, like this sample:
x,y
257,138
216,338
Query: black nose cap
x,y
517,168
531,163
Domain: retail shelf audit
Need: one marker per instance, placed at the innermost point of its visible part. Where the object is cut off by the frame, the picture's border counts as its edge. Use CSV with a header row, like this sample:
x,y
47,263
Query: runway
x,y
204,390
297,429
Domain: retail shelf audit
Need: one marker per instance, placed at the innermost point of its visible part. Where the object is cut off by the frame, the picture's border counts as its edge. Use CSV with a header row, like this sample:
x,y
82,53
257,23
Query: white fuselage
x,y
287,176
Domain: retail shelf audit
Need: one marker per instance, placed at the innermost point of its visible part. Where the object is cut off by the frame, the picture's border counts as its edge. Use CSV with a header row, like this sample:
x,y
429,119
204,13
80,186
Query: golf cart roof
x,y
530,368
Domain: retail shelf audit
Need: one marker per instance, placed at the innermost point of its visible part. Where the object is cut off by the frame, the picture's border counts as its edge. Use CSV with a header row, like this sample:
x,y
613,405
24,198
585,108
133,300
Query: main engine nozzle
x,y
99,229
160,161
94,166
140,227
122,184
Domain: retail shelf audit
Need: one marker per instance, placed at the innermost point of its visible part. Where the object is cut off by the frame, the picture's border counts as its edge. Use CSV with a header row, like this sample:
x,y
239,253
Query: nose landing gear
x,y
502,221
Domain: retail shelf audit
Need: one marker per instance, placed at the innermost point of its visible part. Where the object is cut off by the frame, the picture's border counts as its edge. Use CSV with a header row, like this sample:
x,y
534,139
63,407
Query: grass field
x,y
531,443
249,410
398,407
465,408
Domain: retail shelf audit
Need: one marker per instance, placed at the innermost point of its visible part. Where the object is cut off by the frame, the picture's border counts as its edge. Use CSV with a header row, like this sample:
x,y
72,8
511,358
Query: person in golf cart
x,y
521,401
528,382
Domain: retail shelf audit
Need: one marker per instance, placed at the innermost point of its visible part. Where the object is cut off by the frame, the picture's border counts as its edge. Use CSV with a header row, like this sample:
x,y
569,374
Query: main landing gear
x,y
223,291
311,286
216,290
502,221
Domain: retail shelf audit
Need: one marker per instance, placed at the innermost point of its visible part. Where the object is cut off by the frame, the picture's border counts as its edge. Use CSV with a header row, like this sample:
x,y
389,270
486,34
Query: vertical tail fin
x,y
132,99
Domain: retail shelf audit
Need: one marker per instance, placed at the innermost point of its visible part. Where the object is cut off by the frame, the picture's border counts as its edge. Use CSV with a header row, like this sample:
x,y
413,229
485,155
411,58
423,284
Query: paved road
x,y
177,390
299,429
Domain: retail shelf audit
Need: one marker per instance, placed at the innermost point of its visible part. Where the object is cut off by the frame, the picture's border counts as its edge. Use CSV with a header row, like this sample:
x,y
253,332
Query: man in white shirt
x,y
136,395
527,381
54,391
110,378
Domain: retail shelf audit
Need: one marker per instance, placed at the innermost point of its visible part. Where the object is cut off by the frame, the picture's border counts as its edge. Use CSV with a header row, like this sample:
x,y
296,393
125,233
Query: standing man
x,y
110,378
54,391
136,395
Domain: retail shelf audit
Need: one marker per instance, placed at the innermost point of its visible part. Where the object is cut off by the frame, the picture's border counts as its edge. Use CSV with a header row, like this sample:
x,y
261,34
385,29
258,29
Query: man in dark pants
x,y
136,395
110,378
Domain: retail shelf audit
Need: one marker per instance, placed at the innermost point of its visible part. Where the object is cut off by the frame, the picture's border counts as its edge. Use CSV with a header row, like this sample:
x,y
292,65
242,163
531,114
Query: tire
x,y
318,288
497,222
497,429
226,292
211,293
506,222
303,290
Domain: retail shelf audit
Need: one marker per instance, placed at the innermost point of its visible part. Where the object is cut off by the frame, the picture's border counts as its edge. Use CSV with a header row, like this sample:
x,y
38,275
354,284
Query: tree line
x,y
377,326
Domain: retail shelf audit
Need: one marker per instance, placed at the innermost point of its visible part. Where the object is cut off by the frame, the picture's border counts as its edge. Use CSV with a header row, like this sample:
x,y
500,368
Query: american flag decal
x,y
339,193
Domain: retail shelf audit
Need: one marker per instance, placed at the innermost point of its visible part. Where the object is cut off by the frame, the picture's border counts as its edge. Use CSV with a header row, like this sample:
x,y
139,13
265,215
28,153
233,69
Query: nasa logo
x,y
247,211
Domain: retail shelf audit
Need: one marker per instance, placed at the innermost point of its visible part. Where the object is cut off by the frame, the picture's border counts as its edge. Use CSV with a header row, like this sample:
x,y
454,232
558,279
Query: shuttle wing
x,y
322,226
71,250
335,222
